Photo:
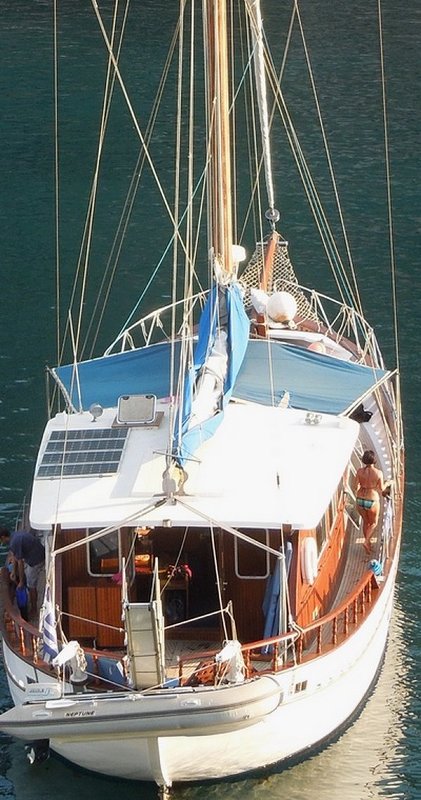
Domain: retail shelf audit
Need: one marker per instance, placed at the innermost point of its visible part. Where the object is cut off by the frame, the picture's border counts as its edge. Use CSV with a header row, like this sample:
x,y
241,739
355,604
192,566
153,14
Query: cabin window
x,y
329,518
252,562
337,497
321,534
350,504
335,501
104,554
324,528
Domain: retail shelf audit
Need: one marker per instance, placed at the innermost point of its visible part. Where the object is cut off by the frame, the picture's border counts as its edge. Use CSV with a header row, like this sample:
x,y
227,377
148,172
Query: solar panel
x,y
92,451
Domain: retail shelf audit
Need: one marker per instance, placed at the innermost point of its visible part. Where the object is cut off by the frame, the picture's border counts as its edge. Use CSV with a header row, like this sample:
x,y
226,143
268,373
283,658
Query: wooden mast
x,y
220,191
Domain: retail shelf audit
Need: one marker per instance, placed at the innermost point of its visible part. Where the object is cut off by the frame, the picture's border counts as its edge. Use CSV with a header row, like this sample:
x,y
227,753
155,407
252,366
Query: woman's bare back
x,y
370,482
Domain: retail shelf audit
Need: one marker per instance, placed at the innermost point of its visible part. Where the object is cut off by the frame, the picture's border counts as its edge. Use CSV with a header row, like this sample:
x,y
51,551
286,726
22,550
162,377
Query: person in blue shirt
x,y
28,554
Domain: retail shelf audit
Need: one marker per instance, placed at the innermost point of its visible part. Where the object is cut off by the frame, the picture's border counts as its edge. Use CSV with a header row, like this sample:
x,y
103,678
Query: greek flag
x,y
49,631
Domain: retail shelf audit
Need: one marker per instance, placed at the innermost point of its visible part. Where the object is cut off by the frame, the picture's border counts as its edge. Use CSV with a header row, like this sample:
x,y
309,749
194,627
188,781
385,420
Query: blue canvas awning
x,y
314,381
103,380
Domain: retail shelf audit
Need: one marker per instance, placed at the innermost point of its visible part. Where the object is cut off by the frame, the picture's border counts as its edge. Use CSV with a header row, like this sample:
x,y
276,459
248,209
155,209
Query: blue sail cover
x,y
271,607
224,308
315,382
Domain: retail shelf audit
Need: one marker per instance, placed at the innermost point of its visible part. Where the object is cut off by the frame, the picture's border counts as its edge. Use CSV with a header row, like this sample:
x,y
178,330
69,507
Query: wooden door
x,y
244,571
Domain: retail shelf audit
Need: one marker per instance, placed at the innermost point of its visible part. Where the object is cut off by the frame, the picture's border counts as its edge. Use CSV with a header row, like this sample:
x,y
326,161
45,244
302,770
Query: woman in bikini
x,y
369,486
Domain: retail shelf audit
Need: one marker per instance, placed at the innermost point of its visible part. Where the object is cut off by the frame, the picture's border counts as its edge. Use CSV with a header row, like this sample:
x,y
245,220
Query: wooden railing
x,y
21,635
293,647
266,655
334,628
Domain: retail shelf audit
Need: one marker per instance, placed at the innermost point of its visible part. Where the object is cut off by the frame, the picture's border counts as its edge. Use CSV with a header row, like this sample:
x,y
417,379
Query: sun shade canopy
x,y
314,382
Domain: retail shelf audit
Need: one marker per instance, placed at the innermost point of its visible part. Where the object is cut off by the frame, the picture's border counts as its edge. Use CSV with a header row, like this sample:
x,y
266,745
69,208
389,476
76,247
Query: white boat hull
x,y
205,733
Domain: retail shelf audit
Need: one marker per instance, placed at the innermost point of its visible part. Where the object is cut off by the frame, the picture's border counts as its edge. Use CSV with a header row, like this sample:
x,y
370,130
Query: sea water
x,y
378,756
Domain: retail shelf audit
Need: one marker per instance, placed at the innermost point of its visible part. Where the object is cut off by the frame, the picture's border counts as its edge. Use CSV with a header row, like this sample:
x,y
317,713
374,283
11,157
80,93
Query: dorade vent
x,y
74,454
136,409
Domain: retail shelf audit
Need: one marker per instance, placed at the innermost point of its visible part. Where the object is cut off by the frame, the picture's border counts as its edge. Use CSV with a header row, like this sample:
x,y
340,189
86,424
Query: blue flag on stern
x,y
219,353
49,630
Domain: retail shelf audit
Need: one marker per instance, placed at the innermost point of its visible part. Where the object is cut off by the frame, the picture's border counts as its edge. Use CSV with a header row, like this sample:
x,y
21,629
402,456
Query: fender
x,y
309,560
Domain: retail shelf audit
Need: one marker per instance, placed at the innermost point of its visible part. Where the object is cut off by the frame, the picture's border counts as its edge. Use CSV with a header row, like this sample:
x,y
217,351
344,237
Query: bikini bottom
x,y
364,503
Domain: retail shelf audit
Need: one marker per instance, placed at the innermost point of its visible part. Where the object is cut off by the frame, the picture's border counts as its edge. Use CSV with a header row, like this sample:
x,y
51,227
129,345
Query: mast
x,y
217,85
253,7
272,214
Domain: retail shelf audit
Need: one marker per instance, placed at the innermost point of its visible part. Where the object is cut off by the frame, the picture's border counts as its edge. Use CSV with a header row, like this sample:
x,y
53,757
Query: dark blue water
x,y
379,755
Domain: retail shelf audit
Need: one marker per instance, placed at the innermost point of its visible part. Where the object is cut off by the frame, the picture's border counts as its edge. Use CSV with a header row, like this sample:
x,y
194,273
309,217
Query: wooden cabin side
x,y
91,585
312,596
91,592
349,608
245,572
191,592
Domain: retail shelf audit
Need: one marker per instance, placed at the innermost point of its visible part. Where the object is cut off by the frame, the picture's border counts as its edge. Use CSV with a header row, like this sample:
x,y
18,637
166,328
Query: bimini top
x,y
314,381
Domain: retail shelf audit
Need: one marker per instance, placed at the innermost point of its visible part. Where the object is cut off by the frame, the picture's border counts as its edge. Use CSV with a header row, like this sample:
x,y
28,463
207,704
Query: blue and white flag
x,y
49,630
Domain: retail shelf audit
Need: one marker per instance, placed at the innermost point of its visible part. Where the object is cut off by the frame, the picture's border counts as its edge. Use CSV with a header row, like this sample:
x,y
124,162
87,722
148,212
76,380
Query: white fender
x,y
309,559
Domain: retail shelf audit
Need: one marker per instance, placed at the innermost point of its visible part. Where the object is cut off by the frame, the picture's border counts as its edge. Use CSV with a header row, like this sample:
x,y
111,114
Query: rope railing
x,y
93,622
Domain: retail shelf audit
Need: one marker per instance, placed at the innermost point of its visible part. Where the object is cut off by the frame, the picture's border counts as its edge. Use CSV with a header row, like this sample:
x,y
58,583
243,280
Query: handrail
x,y
154,320
286,639
282,651
353,610
147,324
366,580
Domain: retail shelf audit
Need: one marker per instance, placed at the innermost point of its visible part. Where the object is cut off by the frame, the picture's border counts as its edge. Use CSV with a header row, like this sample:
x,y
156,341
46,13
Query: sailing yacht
x,y
218,597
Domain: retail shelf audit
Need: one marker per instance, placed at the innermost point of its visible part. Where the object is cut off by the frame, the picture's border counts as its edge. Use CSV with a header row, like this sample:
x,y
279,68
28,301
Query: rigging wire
x,y
126,325
135,120
329,160
187,359
218,580
56,179
253,144
177,559
390,218
83,261
137,127
233,127
112,263
176,226
315,204
389,187
277,83
325,232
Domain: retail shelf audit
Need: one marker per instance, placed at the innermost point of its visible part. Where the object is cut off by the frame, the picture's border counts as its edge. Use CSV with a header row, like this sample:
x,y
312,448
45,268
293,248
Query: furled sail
x,y
219,353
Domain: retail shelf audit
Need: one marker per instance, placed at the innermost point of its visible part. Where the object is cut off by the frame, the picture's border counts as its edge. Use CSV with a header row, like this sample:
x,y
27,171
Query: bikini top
x,y
376,477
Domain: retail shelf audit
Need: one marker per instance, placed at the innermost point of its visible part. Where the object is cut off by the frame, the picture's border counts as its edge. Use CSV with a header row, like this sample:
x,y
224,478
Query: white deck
x,y
263,467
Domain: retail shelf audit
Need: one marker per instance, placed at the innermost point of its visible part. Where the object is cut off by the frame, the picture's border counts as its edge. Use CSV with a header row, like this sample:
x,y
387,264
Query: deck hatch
x,y
76,453
136,409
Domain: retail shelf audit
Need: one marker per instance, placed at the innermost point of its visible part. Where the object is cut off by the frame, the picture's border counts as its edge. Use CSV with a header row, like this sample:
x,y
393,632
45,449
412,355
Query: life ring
x,y
309,559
